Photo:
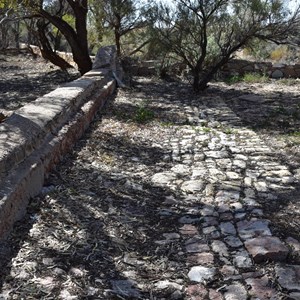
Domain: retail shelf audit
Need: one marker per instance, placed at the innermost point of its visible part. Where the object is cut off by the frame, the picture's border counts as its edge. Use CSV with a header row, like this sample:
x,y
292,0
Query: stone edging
x,y
34,139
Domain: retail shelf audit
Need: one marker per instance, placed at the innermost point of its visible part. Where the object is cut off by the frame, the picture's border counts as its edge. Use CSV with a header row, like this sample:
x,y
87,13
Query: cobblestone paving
x,y
191,185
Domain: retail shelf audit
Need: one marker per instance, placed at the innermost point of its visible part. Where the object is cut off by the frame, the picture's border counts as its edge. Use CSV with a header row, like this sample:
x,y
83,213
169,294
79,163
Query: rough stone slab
x,y
202,274
192,186
227,228
288,277
266,248
235,292
196,292
254,228
260,288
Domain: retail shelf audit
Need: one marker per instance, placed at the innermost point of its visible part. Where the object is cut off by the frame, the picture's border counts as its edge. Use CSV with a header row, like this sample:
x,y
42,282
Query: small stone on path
x,y
202,274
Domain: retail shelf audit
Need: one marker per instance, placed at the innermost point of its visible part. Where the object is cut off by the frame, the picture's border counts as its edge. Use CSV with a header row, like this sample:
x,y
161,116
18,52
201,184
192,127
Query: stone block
x,y
288,277
266,248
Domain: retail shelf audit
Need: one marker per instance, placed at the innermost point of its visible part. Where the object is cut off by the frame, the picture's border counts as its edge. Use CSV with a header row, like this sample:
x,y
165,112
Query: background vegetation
x,y
198,35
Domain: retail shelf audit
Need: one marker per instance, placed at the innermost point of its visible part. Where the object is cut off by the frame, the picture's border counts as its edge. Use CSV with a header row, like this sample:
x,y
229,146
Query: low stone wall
x,y
273,70
234,67
35,137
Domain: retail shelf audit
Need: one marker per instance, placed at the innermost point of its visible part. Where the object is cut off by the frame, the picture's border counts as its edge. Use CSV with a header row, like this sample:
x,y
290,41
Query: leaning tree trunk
x,y
77,39
47,51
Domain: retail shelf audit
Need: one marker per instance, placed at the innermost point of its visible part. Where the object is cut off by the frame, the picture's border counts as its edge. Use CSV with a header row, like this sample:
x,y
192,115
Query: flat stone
x,y
233,241
199,173
181,169
227,228
202,274
171,236
266,248
196,247
293,243
236,292
220,248
288,277
166,284
189,220
126,288
252,98
242,260
196,292
260,288
204,258
188,229
192,186
253,228
232,175
215,295
163,178
277,74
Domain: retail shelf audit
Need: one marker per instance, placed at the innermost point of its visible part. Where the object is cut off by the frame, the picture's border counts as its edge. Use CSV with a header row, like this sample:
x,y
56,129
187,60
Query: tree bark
x,y
47,51
76,39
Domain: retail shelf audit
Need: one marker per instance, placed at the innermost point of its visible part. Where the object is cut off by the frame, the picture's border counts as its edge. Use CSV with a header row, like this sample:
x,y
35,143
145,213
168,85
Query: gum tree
x,y
53,12
123,16
206,34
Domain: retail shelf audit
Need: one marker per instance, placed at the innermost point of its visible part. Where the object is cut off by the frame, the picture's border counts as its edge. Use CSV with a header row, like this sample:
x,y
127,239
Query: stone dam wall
x,y
234,67
35,137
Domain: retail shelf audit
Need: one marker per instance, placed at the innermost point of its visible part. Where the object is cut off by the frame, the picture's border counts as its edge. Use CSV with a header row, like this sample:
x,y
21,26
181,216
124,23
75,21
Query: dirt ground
x,y
274,114
24,77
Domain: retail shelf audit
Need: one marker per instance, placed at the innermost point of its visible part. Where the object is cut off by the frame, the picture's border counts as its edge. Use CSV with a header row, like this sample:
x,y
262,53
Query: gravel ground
x,y
23,78
133,210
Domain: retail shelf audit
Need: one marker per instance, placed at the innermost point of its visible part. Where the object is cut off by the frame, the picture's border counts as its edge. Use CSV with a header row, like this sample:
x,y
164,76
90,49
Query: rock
x,y
181,169
253,228
189,220
171,236
126,288
288,277
227,228
195,246
105,57
220,248
235,292
233,241
196,292
294,244
204,258
166,284
266,248
188,229
202,274
277,74
242,260
260,288
192,186
163,178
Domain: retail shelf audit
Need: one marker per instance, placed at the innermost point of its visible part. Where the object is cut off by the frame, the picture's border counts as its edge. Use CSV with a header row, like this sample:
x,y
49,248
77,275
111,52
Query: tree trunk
x,y
47,51
76,39
118,43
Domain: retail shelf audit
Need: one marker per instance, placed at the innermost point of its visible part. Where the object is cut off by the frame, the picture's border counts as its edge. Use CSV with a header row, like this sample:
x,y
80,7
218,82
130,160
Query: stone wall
x,y
273,70
35,137
234,67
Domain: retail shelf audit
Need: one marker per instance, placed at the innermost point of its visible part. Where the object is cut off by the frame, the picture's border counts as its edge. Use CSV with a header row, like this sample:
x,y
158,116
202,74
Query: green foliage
x,y
143,115
206,34
233,79
279,53
255,78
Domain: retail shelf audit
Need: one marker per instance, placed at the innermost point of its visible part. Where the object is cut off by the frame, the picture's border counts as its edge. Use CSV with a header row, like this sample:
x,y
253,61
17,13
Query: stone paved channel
x,y
169,209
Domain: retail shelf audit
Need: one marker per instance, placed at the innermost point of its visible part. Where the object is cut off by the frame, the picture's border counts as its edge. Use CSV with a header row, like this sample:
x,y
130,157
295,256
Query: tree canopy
x,y
206,34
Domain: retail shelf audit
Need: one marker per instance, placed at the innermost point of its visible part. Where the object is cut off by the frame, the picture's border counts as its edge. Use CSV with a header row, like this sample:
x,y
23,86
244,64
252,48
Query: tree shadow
x,y
19,89
105,225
